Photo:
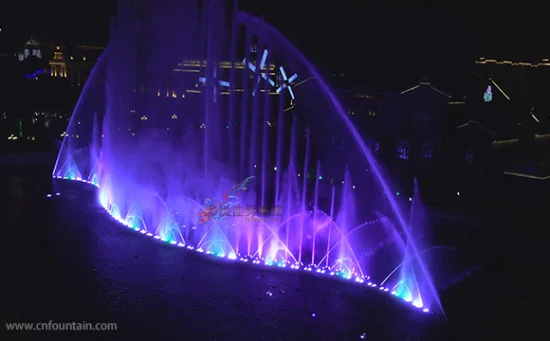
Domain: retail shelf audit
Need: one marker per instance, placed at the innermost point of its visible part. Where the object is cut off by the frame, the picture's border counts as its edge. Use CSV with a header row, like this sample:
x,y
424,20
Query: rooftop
x,y
32,43
545,62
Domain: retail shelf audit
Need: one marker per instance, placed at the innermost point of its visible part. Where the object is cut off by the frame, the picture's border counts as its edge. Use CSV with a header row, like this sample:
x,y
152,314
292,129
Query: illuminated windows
x,y
375,146
402,150
470,156
488,95
428,150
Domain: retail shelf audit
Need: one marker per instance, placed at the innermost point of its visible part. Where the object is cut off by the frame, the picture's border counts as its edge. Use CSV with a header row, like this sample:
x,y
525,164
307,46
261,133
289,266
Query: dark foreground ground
x,y
65,260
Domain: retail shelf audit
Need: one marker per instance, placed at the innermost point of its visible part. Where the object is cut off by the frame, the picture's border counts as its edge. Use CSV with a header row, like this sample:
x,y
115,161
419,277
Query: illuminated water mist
x,y
198,131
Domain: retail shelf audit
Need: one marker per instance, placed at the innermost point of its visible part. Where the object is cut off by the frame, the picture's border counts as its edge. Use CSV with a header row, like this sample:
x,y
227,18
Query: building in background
x,y
404,130
509,99
74,63
32,48
40,87
455,146
510,96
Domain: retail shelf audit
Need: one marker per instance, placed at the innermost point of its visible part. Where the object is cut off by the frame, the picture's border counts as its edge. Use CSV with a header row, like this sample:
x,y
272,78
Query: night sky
x,y
397,36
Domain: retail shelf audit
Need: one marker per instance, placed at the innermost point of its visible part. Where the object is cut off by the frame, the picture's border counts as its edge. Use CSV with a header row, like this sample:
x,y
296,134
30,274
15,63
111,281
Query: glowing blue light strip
x,y
287,83
222,83
253,68
327,272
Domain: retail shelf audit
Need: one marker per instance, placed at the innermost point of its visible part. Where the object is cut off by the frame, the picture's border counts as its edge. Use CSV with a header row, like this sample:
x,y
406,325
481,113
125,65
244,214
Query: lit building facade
x,y
194,82
522,80
74,64
58,64
510,99
404,130
41,88
32,48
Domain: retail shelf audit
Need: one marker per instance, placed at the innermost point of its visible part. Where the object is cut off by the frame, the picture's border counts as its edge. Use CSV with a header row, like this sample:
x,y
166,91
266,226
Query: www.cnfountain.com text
x,y
61,326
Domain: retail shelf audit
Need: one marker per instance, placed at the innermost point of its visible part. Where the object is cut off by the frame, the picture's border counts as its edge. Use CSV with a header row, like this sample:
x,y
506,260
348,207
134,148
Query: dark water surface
x,y
64,259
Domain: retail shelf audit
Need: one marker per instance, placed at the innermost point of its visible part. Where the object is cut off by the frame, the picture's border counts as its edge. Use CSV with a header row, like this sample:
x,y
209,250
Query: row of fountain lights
x,y
144,118
203,126
320,270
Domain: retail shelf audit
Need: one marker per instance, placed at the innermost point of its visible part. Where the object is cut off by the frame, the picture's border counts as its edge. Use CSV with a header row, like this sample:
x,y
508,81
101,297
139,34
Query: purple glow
x,y
158,147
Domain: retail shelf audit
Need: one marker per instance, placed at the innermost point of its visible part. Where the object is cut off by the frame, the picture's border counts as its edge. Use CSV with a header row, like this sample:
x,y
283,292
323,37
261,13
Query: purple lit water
x,y
160,134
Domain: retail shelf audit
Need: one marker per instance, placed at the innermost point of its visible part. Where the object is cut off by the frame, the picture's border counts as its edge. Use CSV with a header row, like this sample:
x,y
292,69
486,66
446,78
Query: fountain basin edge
x,y
326,273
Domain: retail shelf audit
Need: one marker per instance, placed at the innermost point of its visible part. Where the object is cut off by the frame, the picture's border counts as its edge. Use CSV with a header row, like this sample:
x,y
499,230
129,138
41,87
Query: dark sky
x,y
392,32
380,34
65,20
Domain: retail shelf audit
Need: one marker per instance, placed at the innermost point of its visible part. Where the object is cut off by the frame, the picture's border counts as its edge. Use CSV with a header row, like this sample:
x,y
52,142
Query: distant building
x,y
469,163
522,80
455,147
506,96
32,48
417,129
74,63
404,130
509,99
40,87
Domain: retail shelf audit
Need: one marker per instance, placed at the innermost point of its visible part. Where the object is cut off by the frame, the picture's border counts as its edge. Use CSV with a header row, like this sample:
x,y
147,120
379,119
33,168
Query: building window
x,y
375,147
402,149
488,95
428,150
470,156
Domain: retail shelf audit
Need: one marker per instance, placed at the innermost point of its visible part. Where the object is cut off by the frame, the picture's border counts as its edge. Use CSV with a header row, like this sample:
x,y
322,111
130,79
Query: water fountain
x,y
194,126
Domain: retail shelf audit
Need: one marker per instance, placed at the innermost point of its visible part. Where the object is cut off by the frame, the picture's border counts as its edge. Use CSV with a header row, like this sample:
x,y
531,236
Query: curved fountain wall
x,y
196,134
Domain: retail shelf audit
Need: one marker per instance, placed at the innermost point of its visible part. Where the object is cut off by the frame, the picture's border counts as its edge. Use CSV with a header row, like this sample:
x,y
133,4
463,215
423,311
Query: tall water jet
x,y
414,283
304,195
